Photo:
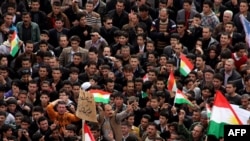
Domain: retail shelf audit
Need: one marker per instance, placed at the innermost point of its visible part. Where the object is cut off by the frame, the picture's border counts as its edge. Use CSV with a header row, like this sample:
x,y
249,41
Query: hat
x,y
11,100
86,85
45,32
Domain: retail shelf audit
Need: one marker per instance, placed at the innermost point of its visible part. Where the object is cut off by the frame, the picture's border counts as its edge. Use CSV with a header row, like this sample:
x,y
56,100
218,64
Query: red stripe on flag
x,y
171,81
100,92
88,132
186,61
221,101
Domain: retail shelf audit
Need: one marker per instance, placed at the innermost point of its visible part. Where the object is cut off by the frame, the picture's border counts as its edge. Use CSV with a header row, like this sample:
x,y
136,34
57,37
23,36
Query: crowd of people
x,y
127,48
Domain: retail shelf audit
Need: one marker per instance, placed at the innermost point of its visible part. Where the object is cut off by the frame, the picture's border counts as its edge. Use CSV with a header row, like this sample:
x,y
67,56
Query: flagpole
x,y
83,132
174,98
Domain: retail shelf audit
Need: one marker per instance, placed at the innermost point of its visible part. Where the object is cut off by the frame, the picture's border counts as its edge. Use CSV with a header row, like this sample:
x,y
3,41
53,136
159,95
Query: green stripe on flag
x,y
101,100
216,129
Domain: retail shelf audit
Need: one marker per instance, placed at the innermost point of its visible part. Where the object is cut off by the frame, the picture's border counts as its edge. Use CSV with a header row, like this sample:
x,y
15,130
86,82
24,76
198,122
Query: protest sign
x,y
86,108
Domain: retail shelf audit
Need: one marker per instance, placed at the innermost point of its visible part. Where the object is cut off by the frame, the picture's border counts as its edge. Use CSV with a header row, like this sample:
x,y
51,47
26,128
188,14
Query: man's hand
x,y
53,126
2,80
85,33
65,132
165,106
173,110
129,108
135,106
4,29
20,43
26,108
25,133
111,136
19,133
166,34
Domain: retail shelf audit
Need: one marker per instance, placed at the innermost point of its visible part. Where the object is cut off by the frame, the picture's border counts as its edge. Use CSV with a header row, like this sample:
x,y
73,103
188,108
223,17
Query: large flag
x,y
246,26
186,66
88,136
171,82
14,47
222,114
100,96
180,98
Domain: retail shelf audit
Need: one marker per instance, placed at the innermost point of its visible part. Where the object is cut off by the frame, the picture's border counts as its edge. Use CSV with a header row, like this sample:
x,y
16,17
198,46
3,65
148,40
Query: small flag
x,y
14,47
222,114
100,96
186,66
180,98
145,77
171,82
144,94
246,26
88,136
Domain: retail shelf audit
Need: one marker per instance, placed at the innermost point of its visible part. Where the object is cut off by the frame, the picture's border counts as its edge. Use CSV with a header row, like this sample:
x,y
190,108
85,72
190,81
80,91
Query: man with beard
x,y
28,30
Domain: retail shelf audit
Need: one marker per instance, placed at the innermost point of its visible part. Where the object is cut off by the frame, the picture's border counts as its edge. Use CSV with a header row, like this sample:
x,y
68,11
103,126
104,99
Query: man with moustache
x,y
28,30
110,121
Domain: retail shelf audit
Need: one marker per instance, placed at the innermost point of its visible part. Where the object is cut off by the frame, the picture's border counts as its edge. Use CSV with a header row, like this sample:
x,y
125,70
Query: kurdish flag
x,y
171,82
14,47
246,26
208,109
145,77
144,94
222,114
242,113
186,66
180,98
88,136
100,96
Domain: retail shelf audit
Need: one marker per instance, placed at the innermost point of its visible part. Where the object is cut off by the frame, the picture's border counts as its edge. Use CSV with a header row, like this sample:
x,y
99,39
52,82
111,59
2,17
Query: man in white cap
x,y
85,86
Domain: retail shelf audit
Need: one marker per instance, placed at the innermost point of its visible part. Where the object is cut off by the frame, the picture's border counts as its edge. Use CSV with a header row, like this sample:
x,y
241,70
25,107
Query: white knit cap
x,y
85,85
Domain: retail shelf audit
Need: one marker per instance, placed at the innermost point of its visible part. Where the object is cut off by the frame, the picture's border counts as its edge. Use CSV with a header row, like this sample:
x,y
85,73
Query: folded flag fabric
x,y
145,77
246,26
171,82
208,109
222,114
186,66
242,113
14,47
101,96
180,98
88,136
144,94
